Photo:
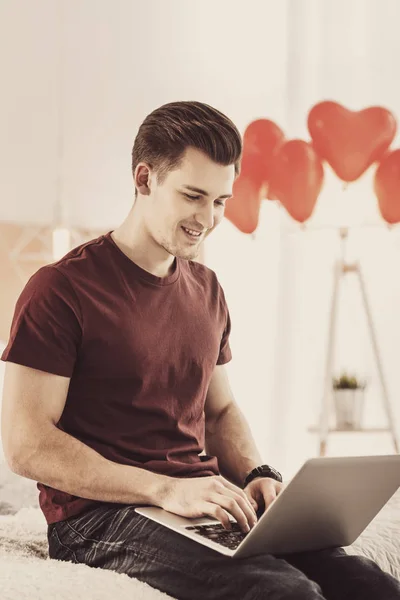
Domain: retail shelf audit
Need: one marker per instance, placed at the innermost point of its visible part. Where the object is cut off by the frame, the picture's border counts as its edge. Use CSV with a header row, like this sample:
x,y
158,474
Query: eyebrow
x,y
203,192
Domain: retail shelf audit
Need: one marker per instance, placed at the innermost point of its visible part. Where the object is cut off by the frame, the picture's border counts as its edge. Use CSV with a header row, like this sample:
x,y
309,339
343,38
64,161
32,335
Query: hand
x,y
211,496
263,491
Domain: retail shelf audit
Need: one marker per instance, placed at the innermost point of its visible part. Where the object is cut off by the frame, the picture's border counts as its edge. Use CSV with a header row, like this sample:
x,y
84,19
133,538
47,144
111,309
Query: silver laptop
x,y
328,503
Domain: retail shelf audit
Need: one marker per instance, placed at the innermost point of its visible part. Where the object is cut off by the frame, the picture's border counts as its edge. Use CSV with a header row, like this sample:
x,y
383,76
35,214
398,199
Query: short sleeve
x,y
225,354
46,329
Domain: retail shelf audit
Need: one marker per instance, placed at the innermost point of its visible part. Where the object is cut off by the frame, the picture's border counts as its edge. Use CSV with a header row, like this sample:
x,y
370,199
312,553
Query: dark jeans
x,y
115,537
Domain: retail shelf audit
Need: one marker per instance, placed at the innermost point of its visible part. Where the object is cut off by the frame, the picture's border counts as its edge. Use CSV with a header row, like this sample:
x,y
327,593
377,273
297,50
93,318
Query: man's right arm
x,y
34,447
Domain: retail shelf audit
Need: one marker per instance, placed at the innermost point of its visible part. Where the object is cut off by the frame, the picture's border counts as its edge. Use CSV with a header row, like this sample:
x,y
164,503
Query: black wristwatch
x,y
263,471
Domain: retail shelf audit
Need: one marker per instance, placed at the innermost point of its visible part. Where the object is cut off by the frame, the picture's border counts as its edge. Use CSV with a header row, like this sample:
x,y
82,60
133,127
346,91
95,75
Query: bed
x,y
27,572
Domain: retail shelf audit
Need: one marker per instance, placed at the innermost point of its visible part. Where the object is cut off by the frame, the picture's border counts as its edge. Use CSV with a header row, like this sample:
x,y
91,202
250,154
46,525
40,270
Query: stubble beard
x,y
187,253
179,250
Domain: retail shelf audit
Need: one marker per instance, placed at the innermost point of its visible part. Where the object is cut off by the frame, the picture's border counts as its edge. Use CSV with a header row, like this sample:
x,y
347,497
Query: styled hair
x,y
167,132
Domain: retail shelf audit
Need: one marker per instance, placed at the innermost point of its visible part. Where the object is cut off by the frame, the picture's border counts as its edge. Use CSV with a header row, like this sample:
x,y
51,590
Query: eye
x,y
189,197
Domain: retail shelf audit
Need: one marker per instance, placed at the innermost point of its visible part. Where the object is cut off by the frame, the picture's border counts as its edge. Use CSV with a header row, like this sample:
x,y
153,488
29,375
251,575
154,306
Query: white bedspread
x,y
381,540
26,572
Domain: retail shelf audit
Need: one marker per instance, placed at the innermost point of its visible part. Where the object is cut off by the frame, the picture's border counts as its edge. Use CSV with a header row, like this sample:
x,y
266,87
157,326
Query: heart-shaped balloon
x,y
260,140
350,141
387,187
297,178
243,209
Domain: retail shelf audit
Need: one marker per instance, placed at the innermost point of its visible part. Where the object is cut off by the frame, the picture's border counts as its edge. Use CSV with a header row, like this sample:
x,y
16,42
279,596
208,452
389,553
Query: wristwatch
x,y
263,471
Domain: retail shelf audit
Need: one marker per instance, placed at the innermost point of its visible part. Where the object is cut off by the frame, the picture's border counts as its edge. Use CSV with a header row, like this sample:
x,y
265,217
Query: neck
x,y
133,240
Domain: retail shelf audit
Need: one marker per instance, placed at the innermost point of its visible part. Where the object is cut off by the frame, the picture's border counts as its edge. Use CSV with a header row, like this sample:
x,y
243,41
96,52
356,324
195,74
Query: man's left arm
x,y
228,437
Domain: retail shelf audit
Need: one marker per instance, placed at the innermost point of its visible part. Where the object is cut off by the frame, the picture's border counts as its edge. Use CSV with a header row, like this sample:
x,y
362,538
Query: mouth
x,y
192,234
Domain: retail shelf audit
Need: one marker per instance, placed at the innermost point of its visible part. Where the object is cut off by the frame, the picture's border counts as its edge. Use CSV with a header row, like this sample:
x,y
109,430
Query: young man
x,y
115,385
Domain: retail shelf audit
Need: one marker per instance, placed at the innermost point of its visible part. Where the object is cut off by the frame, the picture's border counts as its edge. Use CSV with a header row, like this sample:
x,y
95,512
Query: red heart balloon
x,y
243,209
387,187
297,178
260,140
350,141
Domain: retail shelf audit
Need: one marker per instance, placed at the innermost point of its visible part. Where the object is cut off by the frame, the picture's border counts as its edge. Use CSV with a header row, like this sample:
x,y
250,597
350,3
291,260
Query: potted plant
x,y
348,393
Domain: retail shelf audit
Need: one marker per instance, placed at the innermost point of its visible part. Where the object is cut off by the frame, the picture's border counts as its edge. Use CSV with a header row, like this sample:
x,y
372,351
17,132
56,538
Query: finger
x,y
269,496
216,512
252,502
238,491
236,507
246,506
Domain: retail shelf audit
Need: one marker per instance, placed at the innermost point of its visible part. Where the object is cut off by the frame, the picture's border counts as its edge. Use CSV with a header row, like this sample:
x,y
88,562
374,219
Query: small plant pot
x,y
349,405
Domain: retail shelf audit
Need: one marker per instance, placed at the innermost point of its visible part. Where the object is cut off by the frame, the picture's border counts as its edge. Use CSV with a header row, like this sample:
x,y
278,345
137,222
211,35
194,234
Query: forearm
x,y
230,440
65,463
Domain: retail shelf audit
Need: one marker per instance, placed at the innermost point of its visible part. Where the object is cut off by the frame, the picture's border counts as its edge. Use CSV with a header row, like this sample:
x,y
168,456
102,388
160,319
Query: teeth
x,y
195,233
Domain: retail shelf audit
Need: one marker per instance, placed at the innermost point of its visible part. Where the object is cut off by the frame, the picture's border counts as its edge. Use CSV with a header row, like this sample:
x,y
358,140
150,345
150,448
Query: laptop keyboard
x,y
217,533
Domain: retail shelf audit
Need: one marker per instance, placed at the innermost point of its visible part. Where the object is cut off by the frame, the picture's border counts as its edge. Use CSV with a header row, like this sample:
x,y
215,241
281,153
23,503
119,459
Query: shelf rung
x,y
315,429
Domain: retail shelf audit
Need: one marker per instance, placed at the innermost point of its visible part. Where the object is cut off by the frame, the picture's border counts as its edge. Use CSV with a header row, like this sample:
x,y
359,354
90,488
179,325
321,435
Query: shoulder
x,y
62,275
59,281
65,277
207,279
202,274
49,290
82,258
47,279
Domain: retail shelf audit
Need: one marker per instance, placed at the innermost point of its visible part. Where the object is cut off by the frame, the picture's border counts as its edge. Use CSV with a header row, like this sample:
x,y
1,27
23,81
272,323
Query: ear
x,y
143,179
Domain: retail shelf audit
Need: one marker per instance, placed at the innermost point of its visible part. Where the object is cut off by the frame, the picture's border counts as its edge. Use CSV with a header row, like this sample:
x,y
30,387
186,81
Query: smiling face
x,y
192,197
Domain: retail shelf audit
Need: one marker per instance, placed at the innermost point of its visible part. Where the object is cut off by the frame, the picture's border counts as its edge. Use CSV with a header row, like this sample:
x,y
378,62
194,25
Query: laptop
x,y
328,503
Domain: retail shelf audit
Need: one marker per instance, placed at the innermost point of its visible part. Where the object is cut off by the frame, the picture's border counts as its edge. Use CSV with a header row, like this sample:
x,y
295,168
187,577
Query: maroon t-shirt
x,y
140,351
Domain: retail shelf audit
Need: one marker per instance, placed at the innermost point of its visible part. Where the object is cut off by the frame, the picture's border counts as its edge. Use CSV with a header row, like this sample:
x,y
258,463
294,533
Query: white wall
x,y
343,51
79,77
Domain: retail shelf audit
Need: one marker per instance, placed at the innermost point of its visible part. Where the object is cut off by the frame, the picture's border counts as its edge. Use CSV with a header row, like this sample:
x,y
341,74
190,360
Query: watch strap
x,y
263,471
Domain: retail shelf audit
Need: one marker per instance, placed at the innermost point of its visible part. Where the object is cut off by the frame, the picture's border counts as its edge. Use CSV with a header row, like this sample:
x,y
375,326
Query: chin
x,y
188,254
184,253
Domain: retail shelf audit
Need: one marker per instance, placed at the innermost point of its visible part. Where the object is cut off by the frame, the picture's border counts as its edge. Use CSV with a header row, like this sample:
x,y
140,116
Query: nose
x,y
205,216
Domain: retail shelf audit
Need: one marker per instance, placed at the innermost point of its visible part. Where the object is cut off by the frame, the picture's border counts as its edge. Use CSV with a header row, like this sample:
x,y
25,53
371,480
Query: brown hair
x,y
168,131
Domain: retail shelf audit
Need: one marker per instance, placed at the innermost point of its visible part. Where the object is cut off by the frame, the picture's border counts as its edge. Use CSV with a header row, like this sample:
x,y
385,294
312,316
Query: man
x,y
115,385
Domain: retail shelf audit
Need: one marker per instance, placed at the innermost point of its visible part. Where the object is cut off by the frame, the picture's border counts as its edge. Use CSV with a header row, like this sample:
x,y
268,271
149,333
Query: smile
x,y
192,233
